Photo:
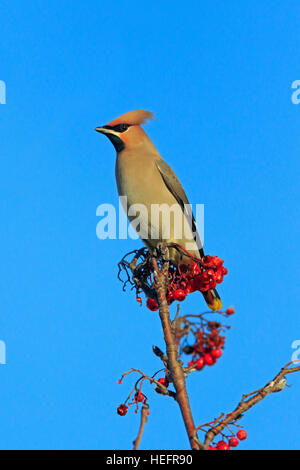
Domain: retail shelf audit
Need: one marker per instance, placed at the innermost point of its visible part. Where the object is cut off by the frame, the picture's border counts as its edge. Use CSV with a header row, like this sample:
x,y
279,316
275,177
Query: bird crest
x,y
134,118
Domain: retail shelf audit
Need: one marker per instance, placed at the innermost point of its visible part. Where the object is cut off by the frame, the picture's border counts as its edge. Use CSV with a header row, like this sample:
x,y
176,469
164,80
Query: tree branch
x,y
173,365
155,266
248,401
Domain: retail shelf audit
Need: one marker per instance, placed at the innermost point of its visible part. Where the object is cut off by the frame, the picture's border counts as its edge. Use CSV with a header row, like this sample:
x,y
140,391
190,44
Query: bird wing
x,y
174,186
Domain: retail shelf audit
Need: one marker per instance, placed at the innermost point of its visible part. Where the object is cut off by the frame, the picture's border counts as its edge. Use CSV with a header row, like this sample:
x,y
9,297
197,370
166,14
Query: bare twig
x,y
144,413
160,388
248,401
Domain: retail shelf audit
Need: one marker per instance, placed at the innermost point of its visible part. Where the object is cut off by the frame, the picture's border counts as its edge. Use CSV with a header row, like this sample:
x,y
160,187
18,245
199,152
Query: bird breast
x,y
139,179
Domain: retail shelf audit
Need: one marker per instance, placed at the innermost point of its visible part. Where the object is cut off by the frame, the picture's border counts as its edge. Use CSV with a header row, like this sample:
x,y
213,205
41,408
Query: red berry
x,y
152,304
241,435
170,297
209,360
216,353
217,262
122,410
139,300
221,445
164,381
179,295
139,396
219,276
212,448
192,364
200,363
230,311
205,281
233,442
190,287
196,269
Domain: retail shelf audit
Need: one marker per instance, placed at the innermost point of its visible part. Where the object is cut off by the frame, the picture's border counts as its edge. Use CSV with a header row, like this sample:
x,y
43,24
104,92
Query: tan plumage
x,y
132,118
145,178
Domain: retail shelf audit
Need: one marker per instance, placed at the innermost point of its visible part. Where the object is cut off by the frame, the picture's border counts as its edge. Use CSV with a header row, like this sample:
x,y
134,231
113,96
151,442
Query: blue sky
x,y
218,77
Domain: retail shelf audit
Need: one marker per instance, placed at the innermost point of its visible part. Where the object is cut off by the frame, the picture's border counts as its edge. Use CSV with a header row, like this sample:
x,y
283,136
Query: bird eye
x,y
121,127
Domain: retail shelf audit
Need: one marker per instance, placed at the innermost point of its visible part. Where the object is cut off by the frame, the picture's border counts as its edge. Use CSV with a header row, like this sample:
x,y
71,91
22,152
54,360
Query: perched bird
x,y
146,179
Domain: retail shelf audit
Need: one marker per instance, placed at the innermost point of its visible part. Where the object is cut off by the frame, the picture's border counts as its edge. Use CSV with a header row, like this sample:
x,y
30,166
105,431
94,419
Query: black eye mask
x,y
118,127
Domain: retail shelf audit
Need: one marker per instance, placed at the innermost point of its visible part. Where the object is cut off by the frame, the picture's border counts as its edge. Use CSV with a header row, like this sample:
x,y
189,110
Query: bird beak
x,y
102,130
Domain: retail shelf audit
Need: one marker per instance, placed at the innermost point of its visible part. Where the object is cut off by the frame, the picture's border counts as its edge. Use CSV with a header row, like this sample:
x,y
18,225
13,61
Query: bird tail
x,y
213,300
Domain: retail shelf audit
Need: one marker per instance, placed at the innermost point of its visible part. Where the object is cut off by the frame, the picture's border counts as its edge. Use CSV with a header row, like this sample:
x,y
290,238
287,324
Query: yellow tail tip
x,y
216,305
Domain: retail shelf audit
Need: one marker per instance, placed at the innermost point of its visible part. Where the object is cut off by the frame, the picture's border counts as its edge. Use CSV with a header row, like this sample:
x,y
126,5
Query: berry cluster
x,y
201,275
139,397
232,441
209,341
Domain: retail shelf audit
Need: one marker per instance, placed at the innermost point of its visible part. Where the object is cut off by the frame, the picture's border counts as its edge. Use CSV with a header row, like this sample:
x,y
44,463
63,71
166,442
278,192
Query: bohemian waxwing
x,y
146,179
